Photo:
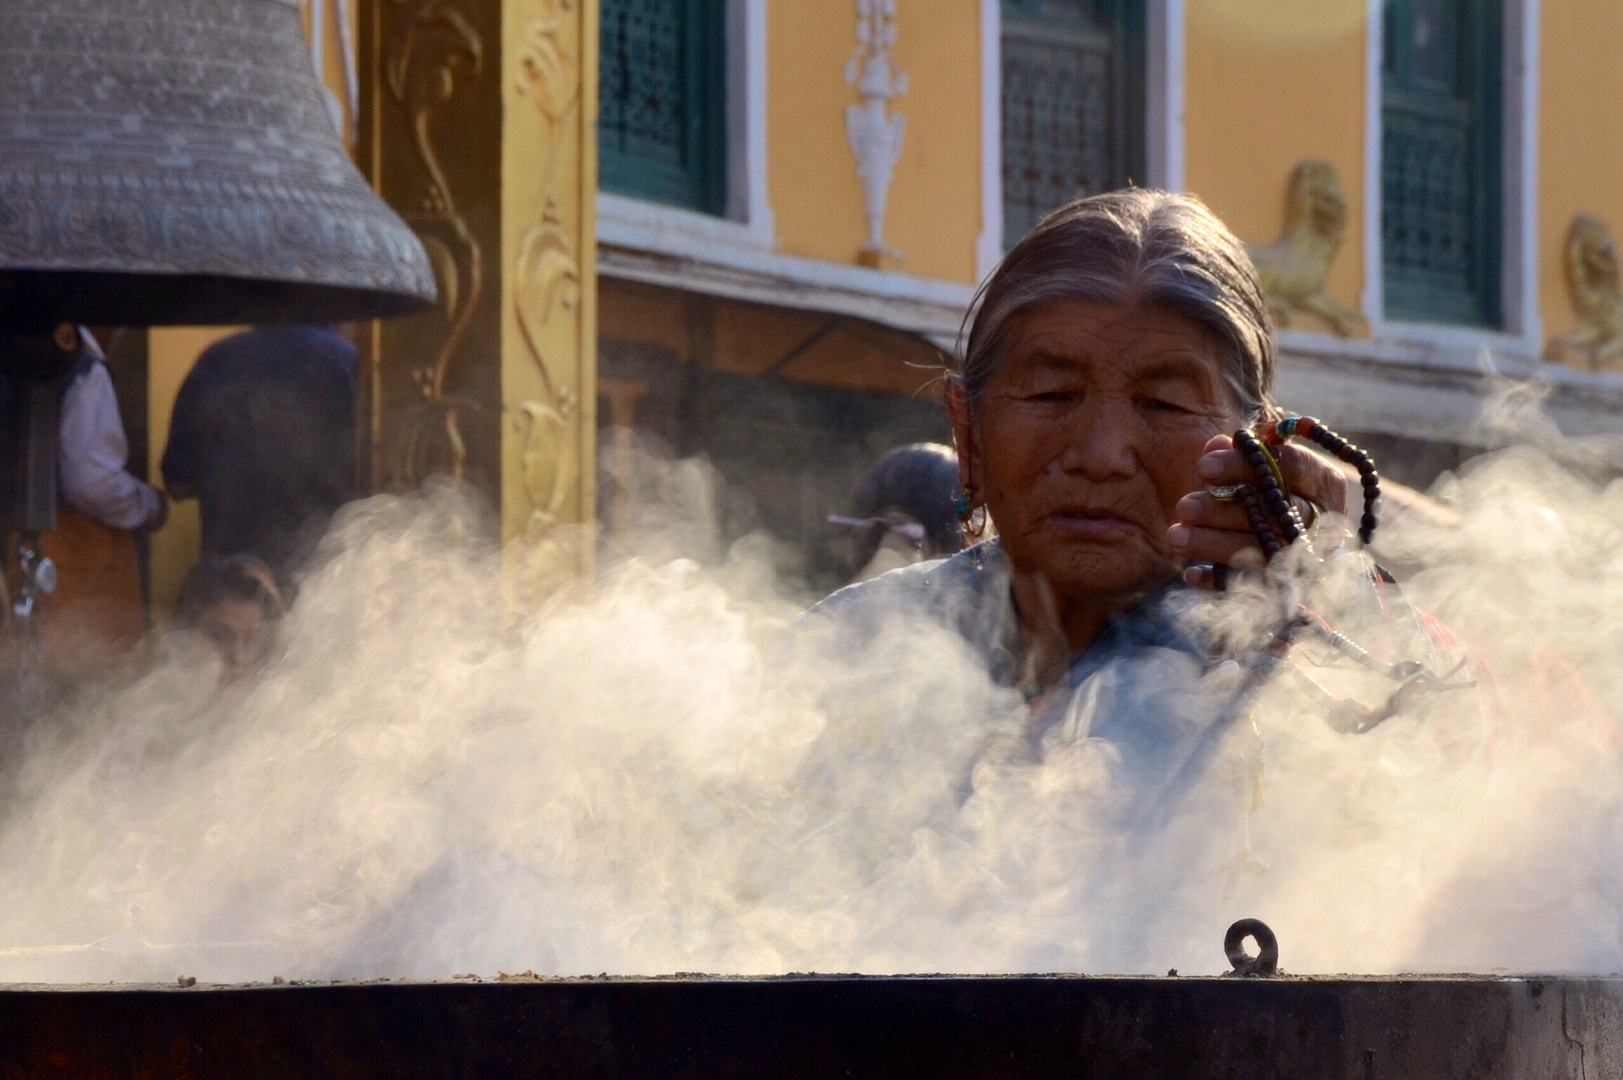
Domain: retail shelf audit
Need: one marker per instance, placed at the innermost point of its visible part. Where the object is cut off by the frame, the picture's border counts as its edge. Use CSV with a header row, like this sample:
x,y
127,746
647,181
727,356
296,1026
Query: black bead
x,y
1268,483
1367,522
1370,481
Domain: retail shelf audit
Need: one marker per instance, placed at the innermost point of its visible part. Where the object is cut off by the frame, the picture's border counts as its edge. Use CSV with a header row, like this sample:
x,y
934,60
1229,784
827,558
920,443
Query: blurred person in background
x,y
902,511
262,435
232,605
93,622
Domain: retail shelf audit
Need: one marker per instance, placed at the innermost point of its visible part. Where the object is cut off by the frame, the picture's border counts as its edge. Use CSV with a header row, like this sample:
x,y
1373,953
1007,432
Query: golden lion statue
x,y
1294,267
1592,279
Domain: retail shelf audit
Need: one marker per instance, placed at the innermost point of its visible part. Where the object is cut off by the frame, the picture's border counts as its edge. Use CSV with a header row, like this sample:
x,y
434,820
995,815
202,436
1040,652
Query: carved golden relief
x,y
547,71
1293,268
547,277
1592,282
436,43
548,281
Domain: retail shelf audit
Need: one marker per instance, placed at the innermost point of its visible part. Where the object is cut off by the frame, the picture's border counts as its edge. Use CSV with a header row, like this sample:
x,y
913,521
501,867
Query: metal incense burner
x,y
1258,1027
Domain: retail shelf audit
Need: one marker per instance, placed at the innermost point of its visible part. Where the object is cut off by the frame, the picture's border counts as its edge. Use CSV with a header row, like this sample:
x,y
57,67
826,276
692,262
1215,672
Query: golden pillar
x,y
477,126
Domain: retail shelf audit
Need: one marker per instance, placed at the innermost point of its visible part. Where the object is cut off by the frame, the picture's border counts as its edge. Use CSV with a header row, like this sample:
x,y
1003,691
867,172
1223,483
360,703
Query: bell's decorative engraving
x,y
172,161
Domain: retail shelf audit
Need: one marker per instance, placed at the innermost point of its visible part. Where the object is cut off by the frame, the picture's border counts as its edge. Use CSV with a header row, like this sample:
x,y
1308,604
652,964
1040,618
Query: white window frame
x,y
627,221
989,242
1163,115
1164,98
1463,346
735,256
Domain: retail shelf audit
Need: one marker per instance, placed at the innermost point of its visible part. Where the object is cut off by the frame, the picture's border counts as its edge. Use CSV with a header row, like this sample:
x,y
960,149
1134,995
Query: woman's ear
x,y
963,435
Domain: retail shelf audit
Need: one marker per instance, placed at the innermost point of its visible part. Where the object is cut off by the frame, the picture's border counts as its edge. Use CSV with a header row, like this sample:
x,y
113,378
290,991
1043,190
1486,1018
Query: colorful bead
x,y
1271,496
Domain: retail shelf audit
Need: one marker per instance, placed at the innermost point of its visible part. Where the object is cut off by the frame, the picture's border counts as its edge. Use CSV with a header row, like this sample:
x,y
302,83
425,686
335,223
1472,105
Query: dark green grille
x,y
661,116
1441,120
1073,103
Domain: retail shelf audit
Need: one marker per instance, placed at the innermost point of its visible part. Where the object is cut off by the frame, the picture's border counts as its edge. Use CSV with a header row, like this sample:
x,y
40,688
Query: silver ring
x,y
1226,492
1309,512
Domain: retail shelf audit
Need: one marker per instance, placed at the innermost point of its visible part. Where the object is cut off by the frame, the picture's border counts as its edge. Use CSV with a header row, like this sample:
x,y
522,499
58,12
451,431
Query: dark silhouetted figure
x,y
903,510
262,435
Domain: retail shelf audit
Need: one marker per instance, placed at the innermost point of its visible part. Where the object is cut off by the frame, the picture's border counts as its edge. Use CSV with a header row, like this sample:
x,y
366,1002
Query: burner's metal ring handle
x,y
1266,962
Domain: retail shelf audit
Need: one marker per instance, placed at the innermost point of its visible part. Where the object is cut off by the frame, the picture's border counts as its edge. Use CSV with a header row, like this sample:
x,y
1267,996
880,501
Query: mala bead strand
x,y
1307,427
1269,490
1368,478
1258,517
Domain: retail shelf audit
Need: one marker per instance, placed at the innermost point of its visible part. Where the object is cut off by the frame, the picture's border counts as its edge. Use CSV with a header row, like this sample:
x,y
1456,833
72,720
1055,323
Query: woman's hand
x,y
1206,529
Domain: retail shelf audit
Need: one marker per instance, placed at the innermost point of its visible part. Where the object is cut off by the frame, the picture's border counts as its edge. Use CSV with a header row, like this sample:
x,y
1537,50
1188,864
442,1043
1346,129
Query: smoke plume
x,y
659,774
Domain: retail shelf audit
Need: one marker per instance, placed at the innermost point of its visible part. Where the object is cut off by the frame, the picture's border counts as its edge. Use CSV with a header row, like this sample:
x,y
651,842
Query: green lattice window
x,y
661,125
1441,117
1073,103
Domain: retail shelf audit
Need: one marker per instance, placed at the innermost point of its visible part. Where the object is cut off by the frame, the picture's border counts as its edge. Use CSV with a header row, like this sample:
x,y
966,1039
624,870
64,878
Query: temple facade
x,y
750,229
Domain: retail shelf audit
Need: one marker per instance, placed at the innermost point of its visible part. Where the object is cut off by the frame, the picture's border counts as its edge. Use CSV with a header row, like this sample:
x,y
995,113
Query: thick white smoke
x,y
657,775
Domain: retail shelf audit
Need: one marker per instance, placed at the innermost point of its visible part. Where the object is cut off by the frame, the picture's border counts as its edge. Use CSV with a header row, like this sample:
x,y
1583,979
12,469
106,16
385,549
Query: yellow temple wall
x,y
1270,83
934,209
1580,148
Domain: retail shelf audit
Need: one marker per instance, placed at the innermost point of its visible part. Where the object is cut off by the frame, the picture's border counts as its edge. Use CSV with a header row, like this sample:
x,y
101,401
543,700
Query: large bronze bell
x,y
171,161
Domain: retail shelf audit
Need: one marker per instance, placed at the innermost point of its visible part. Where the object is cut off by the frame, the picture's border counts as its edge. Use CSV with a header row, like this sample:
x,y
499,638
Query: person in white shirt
x,y
93,623
92,453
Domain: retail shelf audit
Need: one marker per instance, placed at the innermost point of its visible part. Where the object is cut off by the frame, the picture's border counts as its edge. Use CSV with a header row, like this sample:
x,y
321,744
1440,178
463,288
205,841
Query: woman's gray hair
x,y
1140,247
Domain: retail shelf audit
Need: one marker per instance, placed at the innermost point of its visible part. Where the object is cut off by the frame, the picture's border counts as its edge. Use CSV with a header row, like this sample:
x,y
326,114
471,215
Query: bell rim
x,y
32,298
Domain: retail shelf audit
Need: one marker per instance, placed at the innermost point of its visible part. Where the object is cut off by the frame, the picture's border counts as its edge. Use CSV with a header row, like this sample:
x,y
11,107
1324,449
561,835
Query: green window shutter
x,y
1073,103
1442,116
661,125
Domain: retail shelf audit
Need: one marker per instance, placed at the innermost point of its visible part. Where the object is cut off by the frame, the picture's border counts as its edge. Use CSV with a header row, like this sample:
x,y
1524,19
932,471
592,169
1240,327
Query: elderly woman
x,y
1109,359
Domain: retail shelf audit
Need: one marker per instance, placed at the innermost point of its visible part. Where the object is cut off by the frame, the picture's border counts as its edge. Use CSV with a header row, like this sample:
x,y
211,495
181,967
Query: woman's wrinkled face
x,y
1088,435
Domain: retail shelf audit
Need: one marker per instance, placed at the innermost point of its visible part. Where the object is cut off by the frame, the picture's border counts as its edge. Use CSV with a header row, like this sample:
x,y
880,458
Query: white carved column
x,y
875,133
